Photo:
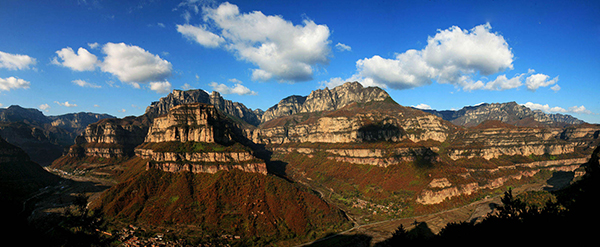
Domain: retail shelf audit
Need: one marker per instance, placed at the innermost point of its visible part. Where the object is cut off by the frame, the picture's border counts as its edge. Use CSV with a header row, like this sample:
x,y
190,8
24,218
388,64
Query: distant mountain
x,y
511,113
43,137
325,100
179,97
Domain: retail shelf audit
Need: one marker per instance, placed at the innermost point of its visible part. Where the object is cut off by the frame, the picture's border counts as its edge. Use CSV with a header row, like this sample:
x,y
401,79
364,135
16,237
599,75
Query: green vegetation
x,y
193,147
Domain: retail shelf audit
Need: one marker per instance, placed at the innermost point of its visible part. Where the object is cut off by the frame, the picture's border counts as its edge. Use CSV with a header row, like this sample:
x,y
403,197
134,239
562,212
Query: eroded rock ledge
x,y
196,138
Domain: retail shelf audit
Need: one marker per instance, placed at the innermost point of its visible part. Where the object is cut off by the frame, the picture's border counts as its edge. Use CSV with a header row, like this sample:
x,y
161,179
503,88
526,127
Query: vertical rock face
x,y
111,138
178,97
190,123
325,100
197,138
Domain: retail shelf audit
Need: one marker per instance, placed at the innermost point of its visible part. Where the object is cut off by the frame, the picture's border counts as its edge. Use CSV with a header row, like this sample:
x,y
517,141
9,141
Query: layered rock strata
x,y
325,100
197,138
111,138
443,190
179,97
492,143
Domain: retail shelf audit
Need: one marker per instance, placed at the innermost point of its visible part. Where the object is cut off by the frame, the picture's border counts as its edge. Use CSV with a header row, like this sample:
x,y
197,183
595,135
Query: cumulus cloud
x,y
83,83
83,60
555,88
423,106
546,108
535,81
160,87
281,50
93,45
6,84
44,107
200,35
133,64
343,47
66,103
15,61
238,89
451,56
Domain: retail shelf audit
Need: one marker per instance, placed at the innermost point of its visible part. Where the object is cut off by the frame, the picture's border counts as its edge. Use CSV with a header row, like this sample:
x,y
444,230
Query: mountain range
x,y
308,166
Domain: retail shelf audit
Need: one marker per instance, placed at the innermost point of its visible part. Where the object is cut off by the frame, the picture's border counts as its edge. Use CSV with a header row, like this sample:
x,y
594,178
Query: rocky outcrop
x,y
111,138
325,100
377,120
191,122
179,97
443,190
492,143
382,157
43,138
510,112
197,138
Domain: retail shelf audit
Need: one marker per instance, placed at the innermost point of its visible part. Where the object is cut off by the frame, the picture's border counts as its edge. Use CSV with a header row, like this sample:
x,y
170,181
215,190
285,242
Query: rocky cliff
x,y
510,112
178,97
197,138
325,100
44,138
111,138
376,120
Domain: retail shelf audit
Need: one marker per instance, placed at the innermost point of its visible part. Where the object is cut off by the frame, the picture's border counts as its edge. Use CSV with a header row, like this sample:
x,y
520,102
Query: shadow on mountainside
x,y
559,180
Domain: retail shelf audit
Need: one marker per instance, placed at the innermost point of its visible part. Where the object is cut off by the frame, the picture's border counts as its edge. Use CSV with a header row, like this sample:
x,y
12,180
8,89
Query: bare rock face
x,y
190,122
197,138
325,100
179,97
510,112
111,138
356,122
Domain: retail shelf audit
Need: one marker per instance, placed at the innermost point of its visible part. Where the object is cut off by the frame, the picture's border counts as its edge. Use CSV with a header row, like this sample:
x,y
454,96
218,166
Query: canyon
x,y
352,150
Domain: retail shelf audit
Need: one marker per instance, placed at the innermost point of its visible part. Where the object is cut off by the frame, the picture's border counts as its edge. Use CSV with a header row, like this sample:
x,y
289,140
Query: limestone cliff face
x,y
325,100
356,122
492,143
510,112
190,122
179,97
442,189
111,138
213,142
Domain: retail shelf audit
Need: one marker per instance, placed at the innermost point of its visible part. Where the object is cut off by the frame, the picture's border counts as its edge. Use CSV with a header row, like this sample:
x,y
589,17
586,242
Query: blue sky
x,y
117,57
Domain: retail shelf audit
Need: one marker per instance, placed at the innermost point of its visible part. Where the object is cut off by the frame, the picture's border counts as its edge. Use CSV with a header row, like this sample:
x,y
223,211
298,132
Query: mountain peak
x,y
325,100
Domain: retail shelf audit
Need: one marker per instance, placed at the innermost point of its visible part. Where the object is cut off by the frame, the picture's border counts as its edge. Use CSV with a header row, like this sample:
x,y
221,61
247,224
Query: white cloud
x,y
502,83
15,61
423,106
343,47
44,107
536,81
555,88
93,45
160,87
237,89
122,110
83,83
333,82
200,35
546,108
1,105
82,61
132,64
66,103
449,57
186,86
6,84
281,50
